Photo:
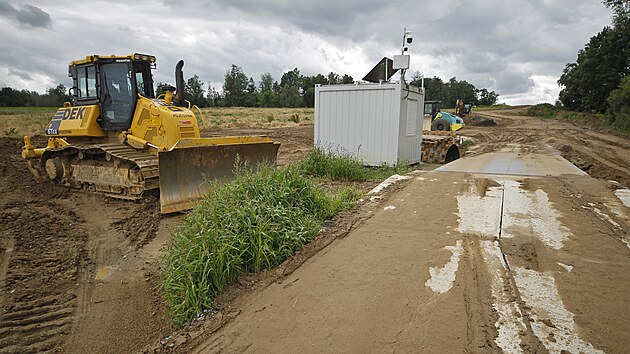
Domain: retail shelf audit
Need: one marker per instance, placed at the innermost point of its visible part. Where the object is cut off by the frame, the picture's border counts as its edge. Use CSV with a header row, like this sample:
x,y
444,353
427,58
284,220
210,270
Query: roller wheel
x,y
440,124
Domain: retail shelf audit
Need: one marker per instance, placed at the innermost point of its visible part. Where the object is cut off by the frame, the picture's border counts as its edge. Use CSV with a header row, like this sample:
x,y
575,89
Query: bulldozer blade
x,y
188,170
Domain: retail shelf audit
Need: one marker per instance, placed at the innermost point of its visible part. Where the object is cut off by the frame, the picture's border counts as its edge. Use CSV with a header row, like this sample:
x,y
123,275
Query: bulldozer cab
x,y
114,84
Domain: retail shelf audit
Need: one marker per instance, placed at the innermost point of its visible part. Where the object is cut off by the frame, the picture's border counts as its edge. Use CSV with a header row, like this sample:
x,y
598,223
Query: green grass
x,y
24,110
544,110
253,223
335,165
19,121
489,108
466,146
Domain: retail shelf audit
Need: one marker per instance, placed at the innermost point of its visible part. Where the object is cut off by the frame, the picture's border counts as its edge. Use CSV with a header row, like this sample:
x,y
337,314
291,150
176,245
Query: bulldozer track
x,y
128,172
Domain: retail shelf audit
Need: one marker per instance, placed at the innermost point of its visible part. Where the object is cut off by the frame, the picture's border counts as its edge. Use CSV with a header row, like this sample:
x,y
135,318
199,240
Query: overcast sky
x,y
516,48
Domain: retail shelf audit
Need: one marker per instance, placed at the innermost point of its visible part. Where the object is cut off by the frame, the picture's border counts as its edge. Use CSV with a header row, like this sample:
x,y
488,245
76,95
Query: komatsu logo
x,y
70,113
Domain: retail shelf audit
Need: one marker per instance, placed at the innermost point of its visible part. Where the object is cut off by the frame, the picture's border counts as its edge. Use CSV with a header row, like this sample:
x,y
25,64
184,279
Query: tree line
x,y
599,80
296,90
54,97
239,90
452,90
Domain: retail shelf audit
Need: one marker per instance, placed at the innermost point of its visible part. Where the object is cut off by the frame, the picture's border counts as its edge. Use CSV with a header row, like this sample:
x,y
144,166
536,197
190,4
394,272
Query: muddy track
x,y
596,152
40,263
52,242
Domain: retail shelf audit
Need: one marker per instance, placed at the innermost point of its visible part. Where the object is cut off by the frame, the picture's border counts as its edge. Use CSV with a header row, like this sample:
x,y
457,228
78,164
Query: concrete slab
x,y
514,163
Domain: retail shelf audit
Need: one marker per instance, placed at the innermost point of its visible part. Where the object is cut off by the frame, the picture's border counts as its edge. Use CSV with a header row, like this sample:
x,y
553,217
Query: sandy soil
x,y
79,272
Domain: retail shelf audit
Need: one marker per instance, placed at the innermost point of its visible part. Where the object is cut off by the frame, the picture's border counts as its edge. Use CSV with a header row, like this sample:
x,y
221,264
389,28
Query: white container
x,y
377,123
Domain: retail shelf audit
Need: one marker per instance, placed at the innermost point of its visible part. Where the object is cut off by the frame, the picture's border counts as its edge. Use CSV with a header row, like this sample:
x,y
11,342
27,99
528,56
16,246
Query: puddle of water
x,y
442,279
551,322
510,322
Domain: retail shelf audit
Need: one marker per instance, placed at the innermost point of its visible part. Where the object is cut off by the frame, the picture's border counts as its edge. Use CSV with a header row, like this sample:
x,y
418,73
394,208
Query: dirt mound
x,y
140,226
594,167
479,121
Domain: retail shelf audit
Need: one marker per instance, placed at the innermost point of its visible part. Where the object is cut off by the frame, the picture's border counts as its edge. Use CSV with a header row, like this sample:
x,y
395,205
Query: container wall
x,y
362,120
411,117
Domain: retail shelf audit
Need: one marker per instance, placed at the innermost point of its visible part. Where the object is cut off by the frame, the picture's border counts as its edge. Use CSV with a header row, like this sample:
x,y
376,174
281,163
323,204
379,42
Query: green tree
x,y
235,87
289,94
621,10
213,96
266,94
15,98
347,79
619,105
251,96
195,93
487,98
291,78
58,95
333,78
308,88
600,66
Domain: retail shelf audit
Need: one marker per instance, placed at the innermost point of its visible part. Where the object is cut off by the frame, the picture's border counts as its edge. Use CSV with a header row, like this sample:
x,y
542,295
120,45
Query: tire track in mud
x,y
39,302
41,252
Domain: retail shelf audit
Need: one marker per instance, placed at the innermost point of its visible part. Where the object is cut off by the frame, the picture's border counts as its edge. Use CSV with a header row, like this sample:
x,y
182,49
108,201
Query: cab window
x,y
86,82
118,100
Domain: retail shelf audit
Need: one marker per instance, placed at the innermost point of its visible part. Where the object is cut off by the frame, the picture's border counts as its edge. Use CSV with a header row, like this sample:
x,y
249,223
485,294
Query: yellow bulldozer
x,y
117,138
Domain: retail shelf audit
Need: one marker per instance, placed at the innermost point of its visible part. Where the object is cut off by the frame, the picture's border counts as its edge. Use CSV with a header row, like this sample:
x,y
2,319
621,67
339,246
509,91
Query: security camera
x,y
408,37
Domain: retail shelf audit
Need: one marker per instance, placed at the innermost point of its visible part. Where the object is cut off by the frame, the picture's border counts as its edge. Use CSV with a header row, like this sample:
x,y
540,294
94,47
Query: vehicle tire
x,y
440,124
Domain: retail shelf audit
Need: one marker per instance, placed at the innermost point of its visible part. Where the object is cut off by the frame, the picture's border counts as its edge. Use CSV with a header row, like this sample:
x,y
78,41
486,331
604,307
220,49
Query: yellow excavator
x,y
116,138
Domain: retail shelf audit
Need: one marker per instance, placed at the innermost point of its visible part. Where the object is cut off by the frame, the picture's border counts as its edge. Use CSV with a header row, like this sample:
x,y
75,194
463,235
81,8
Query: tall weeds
x,y
253,223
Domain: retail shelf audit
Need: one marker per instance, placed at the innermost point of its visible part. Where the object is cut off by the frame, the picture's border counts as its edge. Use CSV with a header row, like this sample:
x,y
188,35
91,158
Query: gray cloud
x,y
492,43
21,74
26,15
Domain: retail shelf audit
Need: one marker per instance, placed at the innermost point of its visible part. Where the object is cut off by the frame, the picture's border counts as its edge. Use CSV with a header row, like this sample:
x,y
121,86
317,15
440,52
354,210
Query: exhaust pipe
x,y
179,99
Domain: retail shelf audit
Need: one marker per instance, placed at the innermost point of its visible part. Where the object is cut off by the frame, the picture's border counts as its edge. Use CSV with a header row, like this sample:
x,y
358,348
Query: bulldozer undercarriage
x,y
113,169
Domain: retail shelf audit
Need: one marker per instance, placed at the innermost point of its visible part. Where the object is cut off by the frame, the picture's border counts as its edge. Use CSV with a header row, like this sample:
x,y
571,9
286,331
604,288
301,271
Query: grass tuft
x,y
328,164
253,223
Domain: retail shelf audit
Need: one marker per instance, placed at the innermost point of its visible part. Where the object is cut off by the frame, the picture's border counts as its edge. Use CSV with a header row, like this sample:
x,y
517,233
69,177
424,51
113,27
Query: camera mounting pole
x,y
402,61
